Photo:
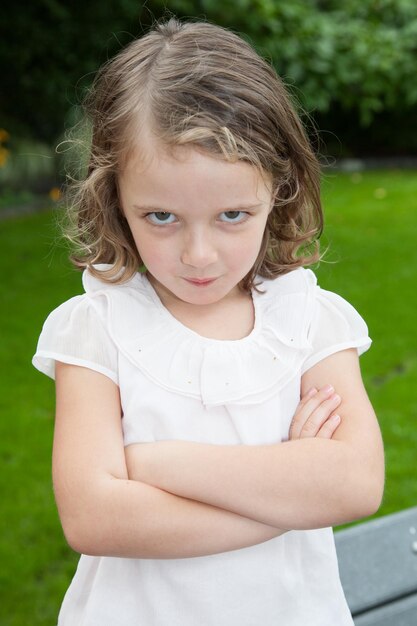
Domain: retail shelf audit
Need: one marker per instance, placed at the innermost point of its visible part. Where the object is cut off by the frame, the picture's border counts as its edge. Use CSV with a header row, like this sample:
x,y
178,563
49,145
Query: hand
x,y
315,416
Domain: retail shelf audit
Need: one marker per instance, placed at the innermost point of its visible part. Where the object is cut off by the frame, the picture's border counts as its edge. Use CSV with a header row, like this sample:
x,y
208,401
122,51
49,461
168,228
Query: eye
x,y
158,218
234,217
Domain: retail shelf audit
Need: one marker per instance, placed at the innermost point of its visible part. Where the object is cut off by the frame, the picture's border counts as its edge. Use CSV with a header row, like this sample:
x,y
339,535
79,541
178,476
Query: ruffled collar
x,y
241,371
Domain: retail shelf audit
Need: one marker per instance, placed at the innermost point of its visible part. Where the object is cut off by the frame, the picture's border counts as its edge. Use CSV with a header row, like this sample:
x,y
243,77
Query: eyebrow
x,y
153,209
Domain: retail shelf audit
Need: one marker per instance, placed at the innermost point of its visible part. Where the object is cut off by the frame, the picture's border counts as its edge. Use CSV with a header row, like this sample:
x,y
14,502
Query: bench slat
x,y
400,613
378,561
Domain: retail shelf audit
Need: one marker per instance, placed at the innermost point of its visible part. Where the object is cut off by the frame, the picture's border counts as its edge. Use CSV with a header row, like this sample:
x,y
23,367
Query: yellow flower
x,y
55,194
380,193
4,135
356,177
4,155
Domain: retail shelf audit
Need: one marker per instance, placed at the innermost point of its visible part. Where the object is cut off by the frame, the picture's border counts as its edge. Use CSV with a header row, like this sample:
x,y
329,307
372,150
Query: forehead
x,y
179,173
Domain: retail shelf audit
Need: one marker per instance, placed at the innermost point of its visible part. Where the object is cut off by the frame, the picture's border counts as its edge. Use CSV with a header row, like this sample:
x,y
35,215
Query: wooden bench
x,y
378,569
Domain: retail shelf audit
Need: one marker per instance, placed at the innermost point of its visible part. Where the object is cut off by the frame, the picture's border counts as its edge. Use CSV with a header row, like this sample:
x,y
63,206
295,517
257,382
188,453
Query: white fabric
x,y
176,384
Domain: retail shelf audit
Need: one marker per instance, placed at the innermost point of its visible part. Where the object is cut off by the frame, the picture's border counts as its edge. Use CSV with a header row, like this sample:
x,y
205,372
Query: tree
x,y
356,57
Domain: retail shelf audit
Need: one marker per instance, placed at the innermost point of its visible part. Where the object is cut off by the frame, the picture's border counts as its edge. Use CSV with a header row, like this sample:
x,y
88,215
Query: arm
x,y
103,512
302,484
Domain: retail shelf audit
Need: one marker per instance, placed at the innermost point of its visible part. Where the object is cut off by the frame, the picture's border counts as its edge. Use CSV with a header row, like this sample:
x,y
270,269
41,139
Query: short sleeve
x,y
335,326
73,333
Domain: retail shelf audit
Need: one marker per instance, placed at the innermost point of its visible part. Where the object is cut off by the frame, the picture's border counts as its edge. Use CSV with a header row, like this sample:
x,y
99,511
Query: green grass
x,y
371,261
373,241
35,562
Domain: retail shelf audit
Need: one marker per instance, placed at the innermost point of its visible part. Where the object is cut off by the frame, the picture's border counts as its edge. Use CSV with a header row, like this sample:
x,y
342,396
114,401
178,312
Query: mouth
x,y
200,281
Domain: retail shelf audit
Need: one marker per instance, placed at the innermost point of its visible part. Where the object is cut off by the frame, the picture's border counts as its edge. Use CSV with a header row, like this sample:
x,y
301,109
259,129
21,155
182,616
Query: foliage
x,y
358,54
27,164
4,150
49,53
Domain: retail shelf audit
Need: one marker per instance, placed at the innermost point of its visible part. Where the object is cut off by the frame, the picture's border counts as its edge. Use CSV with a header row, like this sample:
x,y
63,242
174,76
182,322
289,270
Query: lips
x,y
200,281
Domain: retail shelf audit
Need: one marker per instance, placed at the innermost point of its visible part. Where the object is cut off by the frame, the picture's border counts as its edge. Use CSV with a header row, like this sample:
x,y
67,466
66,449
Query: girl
x,y
197,485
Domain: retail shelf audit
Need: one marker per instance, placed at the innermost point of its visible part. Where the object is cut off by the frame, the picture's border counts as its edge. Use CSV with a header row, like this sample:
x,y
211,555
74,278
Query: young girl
x,y
201,452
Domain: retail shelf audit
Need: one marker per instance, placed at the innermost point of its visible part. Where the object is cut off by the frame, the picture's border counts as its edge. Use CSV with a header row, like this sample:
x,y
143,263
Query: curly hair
x,y
197,84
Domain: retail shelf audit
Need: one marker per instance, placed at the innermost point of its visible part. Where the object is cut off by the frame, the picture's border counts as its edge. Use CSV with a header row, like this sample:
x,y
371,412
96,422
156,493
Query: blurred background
x,y
351,67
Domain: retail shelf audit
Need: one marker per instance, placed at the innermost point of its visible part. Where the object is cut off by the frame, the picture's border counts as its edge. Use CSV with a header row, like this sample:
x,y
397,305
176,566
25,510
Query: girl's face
x,y
197,222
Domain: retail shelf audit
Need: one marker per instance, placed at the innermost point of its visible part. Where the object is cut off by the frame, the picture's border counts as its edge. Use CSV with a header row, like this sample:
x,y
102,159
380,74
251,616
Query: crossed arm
x,y
301,484
175,499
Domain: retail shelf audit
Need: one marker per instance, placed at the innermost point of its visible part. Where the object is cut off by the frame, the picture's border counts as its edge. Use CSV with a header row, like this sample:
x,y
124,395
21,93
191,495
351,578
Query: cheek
x,y
243,253
141,242
154,251
250,243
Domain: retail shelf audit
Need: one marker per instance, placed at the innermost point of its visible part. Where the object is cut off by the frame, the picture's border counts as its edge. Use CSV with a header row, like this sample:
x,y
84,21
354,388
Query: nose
x,y
199,250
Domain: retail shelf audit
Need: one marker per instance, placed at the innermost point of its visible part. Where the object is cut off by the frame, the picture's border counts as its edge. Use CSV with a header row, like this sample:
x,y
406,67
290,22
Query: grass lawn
x,y
371,260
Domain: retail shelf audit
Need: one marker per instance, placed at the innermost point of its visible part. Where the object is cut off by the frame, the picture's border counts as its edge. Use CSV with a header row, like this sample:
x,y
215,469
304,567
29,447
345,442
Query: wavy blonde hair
x,y
198,84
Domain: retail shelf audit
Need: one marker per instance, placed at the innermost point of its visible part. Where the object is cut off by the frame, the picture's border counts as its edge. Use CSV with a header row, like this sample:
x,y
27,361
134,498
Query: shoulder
x,y
301,286
311,318
79,308
287,303
300,280
80,331
83,304
93,283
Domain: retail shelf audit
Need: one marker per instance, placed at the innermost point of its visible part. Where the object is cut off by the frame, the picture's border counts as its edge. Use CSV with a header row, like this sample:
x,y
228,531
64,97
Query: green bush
x,y
29,164
360,54
356,56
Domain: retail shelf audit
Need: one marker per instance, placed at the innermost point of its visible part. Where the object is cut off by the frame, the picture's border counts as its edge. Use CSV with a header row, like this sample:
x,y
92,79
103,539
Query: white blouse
x,y
176,384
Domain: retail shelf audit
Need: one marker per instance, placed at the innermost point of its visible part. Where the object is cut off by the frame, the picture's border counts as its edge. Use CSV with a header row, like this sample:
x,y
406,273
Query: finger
x,y
329,427
310,393
313,401
308,422
306,407
316,420
297,418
